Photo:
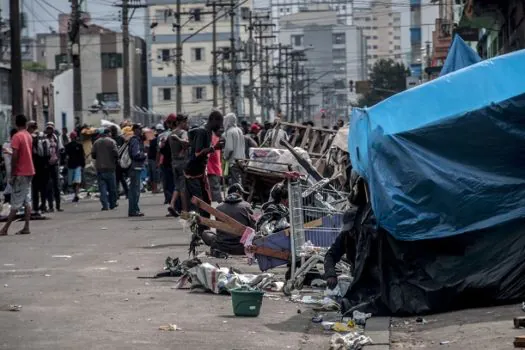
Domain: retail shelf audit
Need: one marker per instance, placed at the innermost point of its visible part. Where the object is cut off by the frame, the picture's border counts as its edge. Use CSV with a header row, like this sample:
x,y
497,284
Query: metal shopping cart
x,y
316,219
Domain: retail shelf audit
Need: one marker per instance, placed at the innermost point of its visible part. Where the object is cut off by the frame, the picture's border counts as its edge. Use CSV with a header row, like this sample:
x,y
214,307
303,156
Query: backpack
x,y
41,147
124,159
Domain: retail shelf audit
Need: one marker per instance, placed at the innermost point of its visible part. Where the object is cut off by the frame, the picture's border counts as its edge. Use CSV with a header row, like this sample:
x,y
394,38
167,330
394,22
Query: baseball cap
x,y
137,126
171,118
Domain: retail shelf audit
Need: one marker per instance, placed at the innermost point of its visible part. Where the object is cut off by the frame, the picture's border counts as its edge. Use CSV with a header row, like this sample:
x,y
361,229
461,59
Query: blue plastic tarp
x,y
446,157
459,56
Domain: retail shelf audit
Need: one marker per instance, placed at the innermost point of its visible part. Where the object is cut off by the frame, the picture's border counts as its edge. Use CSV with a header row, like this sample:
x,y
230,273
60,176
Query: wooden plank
x,y
219,225
519,321
314,142
306,136
295,136
327,139
519,341
199,203
271,252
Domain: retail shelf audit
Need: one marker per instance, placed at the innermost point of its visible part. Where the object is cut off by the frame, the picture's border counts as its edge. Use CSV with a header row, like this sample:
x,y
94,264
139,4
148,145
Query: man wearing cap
x,y
105,154
237,208
138,157
178,142
164,158
153,170
76,161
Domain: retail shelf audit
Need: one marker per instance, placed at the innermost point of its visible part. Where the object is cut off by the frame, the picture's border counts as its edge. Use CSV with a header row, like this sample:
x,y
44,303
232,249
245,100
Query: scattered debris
x,y
103,228
62,256
343,327
444,342
47,275
519,341
9,264
318,283
327,325
169,327
350,341
317,319
136,268
15,307
5,286
126,299
519,322
110,261
360,318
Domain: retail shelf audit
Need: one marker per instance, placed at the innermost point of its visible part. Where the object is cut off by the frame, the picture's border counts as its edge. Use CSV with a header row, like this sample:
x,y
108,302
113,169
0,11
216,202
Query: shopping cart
x,y
316,219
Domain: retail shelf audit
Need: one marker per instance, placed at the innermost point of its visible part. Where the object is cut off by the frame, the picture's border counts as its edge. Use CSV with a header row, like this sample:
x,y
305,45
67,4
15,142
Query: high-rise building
x,y
381,26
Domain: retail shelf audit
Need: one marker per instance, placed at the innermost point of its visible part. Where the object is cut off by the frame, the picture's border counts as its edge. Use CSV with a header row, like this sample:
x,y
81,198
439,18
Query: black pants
x,y
53,192
199,188
39,188
121,179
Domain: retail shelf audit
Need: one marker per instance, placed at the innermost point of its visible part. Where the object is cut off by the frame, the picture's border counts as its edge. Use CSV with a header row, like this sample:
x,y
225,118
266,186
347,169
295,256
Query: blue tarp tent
x,y
460,55
447,157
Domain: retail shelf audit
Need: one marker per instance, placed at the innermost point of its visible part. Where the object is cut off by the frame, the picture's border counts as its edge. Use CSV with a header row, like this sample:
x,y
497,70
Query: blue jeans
x,y
134,191
107,185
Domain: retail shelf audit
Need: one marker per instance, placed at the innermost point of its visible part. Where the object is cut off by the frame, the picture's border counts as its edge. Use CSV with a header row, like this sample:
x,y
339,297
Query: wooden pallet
x,y
316,141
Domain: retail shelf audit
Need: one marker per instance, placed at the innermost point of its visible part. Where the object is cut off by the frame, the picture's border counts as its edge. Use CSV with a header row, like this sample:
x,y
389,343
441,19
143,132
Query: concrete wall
x,y
33,101
63,100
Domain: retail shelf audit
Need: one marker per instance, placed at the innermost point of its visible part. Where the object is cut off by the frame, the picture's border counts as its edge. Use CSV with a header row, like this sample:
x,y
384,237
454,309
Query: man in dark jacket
x,y
105,154
76,161
119,172
237,208
138,157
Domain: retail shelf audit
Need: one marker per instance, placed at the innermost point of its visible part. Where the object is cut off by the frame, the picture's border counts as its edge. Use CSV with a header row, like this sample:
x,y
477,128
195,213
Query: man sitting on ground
x,y
237,208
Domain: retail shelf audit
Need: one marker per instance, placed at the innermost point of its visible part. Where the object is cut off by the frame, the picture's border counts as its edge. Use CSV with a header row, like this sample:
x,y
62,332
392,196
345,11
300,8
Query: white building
x,y
335,57
381,25
197,56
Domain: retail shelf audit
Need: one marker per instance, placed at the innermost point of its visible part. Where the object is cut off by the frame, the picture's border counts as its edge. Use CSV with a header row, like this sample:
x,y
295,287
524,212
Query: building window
x,y
343,7
339,54
397,47
60,59
369,47
199,93
111,60
367,19
374,56
196,14
161,16
197,54
287,9
397,37
340,67
338,38
368,37
166,94
165,55
297,40
374,47
281,10
374,37
397,56
339,84
374,27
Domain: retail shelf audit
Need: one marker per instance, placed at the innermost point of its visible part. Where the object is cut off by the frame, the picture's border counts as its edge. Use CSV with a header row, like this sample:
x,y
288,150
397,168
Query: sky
x,y
43,14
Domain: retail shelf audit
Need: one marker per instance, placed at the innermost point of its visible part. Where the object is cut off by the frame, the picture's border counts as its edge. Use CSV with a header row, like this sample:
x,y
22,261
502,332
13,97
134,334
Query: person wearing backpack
x,y
138,157
41,163
120,173
105,154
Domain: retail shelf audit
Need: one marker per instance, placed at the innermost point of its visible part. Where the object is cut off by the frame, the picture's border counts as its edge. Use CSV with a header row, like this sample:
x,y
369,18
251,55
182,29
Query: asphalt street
x,y
76,279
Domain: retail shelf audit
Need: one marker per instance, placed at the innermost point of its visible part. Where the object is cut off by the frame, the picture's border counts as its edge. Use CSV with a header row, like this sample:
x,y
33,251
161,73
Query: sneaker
x,y
139,214
76,199
104,209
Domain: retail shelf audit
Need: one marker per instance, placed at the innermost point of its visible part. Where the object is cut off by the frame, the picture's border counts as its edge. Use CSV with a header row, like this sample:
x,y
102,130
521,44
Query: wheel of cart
x,y
316,219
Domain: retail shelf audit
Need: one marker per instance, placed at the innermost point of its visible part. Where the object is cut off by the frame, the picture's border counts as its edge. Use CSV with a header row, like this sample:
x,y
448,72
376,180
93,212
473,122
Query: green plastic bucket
x,y
246,301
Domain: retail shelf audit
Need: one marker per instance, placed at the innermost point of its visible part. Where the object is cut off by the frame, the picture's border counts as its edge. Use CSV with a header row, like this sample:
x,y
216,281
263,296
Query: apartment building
x,y
197,56
101,68
335,59
381,26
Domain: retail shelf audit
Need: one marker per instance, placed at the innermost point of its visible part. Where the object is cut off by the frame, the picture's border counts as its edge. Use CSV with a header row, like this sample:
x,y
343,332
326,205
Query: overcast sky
x,y
42,16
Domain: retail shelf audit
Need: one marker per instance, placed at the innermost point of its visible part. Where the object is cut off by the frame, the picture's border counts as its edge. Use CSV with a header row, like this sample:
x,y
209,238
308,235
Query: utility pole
x,y
286,82
223,83
214,49
251,46
17,88
233,83
279,79
293,87
125,57
178,60
74,37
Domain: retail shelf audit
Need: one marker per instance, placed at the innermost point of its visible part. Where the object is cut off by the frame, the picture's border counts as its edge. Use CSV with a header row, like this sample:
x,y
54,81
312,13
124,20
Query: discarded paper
x,y
169,327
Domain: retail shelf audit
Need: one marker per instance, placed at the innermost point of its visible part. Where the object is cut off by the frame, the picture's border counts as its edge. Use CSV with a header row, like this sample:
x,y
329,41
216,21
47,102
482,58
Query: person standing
x,y
138,156
120,173
7,155
199,149
164,158
234,147
22,171
105,154
214,169
178,143
153,170
76,161
41,164
53,192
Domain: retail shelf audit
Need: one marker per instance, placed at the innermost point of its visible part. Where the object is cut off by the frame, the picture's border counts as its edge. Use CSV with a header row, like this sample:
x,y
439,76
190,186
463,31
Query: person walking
x,y
40,156
105,154
178,143
214,169
53,192
234,147
22,171
138,156
153,169
76,161
199,149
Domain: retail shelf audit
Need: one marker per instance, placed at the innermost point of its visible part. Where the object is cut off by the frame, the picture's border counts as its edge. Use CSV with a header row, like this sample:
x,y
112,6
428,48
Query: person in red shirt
x,y
22,171
214,169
